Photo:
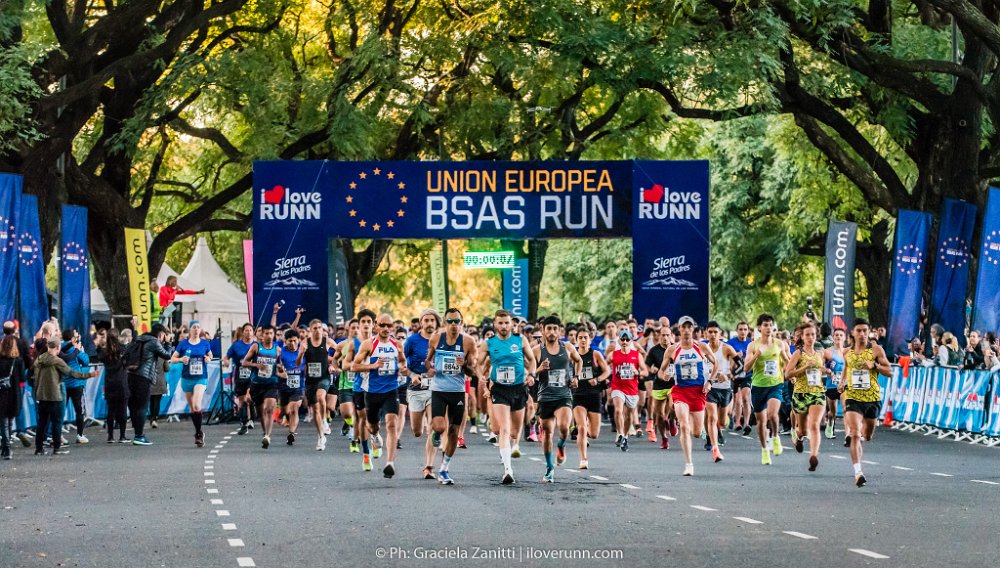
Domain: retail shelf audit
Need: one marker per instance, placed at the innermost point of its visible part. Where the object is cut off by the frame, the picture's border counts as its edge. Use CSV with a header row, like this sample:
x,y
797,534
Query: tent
x,y
222,303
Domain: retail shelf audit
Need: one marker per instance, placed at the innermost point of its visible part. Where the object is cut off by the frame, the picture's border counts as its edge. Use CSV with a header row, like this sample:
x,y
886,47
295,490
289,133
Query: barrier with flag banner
x,y
173,402
950,402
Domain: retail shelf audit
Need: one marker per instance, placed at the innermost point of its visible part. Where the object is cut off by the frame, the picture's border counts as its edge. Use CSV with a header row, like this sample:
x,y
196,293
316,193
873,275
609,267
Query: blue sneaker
x,y
444,478
141,441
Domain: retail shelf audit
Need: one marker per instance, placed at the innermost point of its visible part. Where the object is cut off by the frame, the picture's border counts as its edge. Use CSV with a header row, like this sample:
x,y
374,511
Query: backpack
x,y
132,357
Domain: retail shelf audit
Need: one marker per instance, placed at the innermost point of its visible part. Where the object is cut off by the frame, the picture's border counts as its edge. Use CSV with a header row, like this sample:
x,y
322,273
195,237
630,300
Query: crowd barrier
x,y
946,402
173,402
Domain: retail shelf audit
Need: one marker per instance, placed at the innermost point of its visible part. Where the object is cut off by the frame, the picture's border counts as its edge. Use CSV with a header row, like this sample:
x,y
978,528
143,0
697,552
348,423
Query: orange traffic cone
x,y
887,419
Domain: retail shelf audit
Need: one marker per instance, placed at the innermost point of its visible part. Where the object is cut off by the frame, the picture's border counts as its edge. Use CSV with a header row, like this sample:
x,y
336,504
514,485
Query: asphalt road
x,y
928,503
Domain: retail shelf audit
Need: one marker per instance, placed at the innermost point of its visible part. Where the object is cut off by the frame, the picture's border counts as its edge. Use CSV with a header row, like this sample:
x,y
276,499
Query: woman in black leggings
x,y
115,386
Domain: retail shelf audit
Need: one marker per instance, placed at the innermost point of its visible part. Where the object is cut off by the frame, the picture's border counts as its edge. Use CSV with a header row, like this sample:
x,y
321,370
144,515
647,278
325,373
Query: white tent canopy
x,y
222,301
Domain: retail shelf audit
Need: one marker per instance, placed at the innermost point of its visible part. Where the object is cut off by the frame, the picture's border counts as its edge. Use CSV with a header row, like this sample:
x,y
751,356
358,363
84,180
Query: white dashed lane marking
x,y
570,470
868,553
836,457
207,467
869,462
209,481
228,526
212,491
985,482
803,536
629,486
234,542
748,520
703,508
598,478
942,474
209,474
535,459
901,468
245,561
217,502
222,513
665,497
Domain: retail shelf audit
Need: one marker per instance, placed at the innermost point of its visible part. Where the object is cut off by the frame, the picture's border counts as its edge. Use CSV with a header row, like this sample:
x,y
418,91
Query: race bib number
x,y
245,373
771,369
314,370
557,378
588,373
196,367
388,366
814,377
505,375
266,371
836,379
626,372
293,381
689,372
451,366
861,380
425,382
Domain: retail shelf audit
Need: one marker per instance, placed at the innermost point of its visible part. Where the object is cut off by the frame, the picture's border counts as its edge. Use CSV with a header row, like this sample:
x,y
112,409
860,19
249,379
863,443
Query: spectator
x,y
991,352
141,366
156,392
974,357
11,373
937,332
949,354
125,337
115,385
49,370
72,352
917,356
168,293
881,337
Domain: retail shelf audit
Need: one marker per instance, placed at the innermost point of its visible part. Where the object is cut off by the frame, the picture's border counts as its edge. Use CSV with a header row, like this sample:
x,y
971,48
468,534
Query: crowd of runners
x,y
552,383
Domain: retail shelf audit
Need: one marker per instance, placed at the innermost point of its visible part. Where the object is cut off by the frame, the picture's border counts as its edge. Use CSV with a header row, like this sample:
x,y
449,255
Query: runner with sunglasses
x,y
450,357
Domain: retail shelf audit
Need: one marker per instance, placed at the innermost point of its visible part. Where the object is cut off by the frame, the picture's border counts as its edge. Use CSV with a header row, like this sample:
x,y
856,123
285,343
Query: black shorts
x,y
401,395
833,394
743,383
290,396
376,403
312,391
358,397
514,396
589,400
532,392
869,410
547,408
345,395
259,392
474,382
719,397
451,404
241,387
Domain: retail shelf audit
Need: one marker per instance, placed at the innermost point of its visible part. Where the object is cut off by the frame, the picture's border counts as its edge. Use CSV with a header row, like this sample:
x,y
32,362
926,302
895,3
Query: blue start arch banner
x,y
300,206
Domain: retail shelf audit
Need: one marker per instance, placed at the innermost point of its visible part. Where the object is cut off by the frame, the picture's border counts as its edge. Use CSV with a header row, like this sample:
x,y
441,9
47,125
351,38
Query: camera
x,y
809,308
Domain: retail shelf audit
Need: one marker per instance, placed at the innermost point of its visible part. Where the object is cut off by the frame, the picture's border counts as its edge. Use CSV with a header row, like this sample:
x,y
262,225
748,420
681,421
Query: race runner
x,y
741,379
807,368
314,356
241,376
587,396
558,374
451,356
264,356
690,360
195,353
418,394
766,357
720,397
864,362
626,366
292,388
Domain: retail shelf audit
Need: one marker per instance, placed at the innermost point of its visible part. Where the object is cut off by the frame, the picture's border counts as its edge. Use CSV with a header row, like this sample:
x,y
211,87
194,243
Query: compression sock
x,y
445,463
364,446
548,460
349,421
505,456
196,418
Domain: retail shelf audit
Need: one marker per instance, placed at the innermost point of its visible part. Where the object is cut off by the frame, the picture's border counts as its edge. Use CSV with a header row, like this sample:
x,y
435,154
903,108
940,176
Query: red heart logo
x,y
653,194
274,195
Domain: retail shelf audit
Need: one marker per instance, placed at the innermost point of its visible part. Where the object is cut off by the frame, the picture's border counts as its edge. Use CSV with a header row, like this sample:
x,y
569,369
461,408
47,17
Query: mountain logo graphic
x,y
670,281
290,281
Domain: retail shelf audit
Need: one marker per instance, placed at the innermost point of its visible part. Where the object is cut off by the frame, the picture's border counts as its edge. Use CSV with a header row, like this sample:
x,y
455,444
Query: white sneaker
x,y
473,430
583,465
378,440
81,439
689,469
326,429
321,443
350,433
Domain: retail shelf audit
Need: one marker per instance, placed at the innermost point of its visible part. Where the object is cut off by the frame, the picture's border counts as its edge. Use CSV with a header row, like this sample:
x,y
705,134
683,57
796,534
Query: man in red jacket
x,y
168,292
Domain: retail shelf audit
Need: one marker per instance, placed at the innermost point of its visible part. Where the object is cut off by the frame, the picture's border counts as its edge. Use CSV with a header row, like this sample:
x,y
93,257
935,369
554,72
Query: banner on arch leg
x,y
10,198
670,240
951,267
906,293
987,304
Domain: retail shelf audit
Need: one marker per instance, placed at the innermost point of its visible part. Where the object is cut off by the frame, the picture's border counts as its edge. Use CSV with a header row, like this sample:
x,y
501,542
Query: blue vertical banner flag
x,y
951,266
515,288
31,275
10,198
913,230
74,271
670,241
987,304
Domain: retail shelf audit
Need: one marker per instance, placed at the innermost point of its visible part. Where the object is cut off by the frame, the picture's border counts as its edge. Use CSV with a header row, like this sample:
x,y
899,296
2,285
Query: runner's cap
x,y
686,320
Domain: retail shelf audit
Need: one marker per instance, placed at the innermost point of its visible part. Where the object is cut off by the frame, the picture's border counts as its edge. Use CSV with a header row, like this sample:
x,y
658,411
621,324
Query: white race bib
x,y
266,371
557,377
245,373
814,377
689,372
451,366
626,372
425,382
314,370
861,380
771,368
196,367
293,381
505,375
588,373
836,379
388,366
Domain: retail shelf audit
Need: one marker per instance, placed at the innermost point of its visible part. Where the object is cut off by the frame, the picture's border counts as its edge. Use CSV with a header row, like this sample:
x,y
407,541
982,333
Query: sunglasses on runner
x,y
385,325
459,320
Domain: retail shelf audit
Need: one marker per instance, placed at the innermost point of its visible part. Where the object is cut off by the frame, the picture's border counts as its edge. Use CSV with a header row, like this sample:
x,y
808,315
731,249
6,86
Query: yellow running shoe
x,y
765,456
776,445
366,463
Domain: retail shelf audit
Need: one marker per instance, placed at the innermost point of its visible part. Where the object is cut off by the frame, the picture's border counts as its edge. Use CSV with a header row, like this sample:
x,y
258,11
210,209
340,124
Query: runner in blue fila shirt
x,y
450,357
293,385
264,357
383,359
195,353
510,365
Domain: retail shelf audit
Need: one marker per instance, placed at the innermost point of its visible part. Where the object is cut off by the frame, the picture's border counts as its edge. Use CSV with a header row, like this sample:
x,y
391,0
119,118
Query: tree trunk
x,y
874,260
536,269
361,265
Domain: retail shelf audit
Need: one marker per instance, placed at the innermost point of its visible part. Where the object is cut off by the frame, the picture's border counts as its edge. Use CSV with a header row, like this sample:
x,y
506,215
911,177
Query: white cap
x,y
686,319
